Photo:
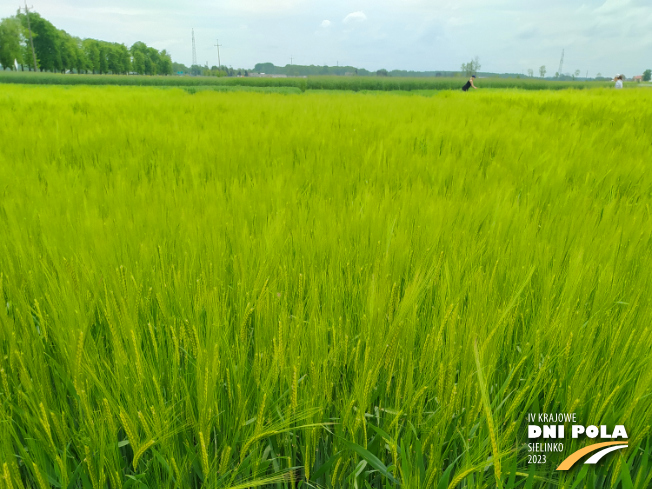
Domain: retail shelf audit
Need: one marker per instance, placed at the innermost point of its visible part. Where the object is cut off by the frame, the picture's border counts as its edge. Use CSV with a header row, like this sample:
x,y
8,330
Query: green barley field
x,y
321,289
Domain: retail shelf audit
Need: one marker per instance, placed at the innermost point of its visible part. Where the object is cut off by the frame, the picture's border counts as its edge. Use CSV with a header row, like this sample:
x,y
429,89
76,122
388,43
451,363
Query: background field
x,y
355,83
202,290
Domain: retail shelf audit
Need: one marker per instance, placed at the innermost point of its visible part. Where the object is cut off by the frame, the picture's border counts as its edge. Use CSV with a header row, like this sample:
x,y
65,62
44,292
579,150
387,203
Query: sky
x,y
508,36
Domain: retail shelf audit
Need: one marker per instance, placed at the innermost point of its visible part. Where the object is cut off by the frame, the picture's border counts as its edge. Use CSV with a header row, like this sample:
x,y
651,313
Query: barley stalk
x,y
490,423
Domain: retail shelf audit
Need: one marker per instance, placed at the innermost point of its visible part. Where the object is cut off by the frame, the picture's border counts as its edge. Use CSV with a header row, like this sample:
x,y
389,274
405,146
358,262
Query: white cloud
x,y
326,23
355,17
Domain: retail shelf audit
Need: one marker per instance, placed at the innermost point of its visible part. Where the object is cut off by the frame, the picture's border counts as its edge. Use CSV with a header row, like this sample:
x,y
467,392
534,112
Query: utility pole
x,y
561,63
29,28
219,63
291,58
194,51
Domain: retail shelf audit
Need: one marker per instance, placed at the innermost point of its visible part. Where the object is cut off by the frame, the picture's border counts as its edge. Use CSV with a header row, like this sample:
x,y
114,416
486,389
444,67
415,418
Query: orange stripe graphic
x,y
575,456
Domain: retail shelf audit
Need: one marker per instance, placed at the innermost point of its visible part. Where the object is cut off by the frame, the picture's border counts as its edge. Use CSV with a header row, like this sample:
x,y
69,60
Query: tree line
x,y
316,70
311,70
58,51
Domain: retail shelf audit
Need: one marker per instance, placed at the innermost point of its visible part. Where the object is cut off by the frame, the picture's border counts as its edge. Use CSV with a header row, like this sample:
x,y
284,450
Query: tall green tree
x,y
113,60
142,64
118,58
472,67
139,62
164,63
12,40
124,58
104,61
151,63
47,41
69,51
91,49
57,50
83,64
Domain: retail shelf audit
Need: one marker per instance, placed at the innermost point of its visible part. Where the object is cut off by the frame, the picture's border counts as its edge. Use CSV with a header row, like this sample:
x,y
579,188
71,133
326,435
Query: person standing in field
x,y
469,84
619,81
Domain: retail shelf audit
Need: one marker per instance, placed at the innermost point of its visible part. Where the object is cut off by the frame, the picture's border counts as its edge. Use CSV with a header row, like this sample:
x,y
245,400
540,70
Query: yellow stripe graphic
x,y
575,456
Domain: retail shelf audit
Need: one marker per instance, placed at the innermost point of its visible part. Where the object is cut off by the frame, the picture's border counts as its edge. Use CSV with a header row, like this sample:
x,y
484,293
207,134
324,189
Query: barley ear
x,y
141,451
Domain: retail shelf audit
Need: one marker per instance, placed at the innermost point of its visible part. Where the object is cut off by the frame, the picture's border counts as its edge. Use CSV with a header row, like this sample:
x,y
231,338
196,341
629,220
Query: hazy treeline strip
x,y
58,51
312,70
316,70
241,88
467,70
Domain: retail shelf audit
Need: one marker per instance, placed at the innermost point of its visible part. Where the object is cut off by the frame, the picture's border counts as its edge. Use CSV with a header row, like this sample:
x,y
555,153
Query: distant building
x,y
638,78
